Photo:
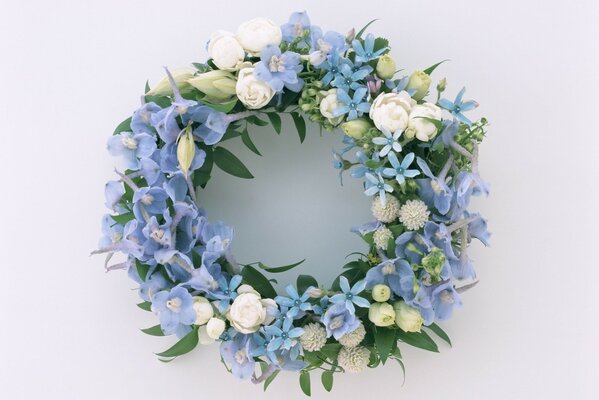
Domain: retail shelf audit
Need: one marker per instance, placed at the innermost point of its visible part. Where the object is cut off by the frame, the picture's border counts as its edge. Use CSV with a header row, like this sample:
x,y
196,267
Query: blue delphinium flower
x,y
175,311
325,46
279,70
376,184
150,170
365,53
297,304
388,141
400,169
148,201
338,320
297,25
152,285
434,189
113,192
158,235
444,300
170,163
458,106
131,147
350,295
353,106
282,337
213,124
235,353
478,228
348,79
141,121
395,273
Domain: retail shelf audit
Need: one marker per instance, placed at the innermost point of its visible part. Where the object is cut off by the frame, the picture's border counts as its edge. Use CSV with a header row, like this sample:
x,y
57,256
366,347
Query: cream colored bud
x,y
407,318
186,150
381,314
356,128
420,82
218,85
180,76
381,293
386,67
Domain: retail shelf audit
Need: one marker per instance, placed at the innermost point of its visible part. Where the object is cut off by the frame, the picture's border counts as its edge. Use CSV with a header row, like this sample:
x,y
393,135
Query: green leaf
x,y
222,107
361,32
385,340
381,43
185,345
327,380
287,99
226,161
305,383
254,278
300,125
283,268
142,270
124,126
440,332
418,339
331,350
245,138
433,67
153,331
275,120
271,378
162,101
202,175
147,87
123,218
304,282
256,121
438,124
146,305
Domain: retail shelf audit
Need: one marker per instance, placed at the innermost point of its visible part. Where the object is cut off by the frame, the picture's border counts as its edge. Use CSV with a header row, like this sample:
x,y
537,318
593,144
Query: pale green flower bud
x,y
442,85
381,314
306,107
419,81
381,293
180,76
407,318
186,150
356,128
386,67
218,85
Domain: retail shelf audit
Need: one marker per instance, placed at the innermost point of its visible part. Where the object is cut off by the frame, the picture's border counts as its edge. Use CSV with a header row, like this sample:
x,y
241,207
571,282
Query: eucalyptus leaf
x,y
229,163
183,346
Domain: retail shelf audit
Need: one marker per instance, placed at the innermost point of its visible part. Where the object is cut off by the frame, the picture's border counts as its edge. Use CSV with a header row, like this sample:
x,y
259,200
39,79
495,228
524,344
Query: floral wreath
x,y
417,158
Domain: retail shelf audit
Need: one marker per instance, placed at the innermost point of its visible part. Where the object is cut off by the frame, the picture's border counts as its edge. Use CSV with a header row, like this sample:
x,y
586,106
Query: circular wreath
x,y
417,158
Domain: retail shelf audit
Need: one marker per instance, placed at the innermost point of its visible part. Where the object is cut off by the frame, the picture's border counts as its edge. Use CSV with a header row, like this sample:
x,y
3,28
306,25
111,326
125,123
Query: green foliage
x,y
300,125
271,378
304,381
229,163
146,305
440,332
124,126
361,31
183,346
418,339
153,331
259,282
275,121
385,339
283,268
123,218
304,282
142,270
433,67
245,138
327,380
381,43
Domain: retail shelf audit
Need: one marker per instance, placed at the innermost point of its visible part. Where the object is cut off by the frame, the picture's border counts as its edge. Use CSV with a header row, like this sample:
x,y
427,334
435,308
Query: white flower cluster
x,y
353,338
413,214
385,213
353,359
381,237
314,337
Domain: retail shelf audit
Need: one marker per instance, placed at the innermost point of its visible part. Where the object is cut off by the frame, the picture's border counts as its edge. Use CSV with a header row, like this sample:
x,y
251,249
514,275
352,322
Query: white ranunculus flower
x,y
419,126
391,110
225,51
407,318
203,309
249,311
328,104
204,337
215,327
254,34
251,91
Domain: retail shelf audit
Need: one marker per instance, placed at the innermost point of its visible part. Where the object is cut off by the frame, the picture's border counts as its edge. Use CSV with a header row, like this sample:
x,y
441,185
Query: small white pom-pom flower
x,y
353,338
387,213
314,337
354,359
413,214
381,237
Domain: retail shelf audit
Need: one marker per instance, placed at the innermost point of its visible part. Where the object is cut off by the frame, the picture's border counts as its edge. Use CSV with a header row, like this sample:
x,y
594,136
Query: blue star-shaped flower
x,y
458,106
400,169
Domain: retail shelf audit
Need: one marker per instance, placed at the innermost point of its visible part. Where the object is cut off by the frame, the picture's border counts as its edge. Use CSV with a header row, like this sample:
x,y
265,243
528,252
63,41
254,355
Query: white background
x,y
70,71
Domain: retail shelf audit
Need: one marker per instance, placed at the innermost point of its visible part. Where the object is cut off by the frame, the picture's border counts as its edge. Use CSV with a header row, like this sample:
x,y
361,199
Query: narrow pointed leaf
x,y
418,339
300,125
153,331
183,346
327,380
361,32
245,138
229,163
275,120
433,67
304,282
440,332
385,340
124,126
283,268
146,305
271,378
254,278
305,383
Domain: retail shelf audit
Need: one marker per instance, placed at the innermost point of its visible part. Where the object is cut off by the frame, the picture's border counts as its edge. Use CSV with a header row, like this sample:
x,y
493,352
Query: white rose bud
x,y
218,85
180,76
381,314
204,338
247,313
381,293
419,126
203,310
215,327
328,104
251,91
356,128
386,67
419,81
255,34
225,51
407,318
391,110
245,288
